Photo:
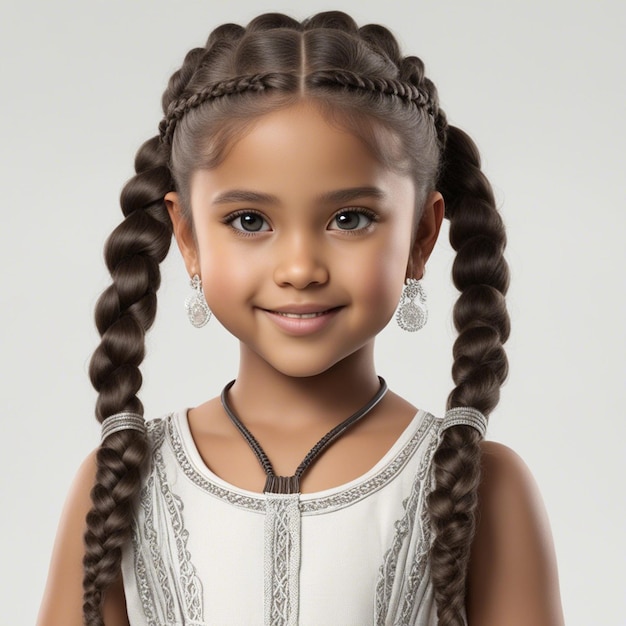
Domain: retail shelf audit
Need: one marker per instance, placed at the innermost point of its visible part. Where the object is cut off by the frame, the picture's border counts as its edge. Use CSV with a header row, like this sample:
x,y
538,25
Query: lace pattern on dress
x,y
168,586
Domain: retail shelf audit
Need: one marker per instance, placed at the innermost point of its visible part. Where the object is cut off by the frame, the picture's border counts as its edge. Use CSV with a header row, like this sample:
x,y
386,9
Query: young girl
x,y
304,170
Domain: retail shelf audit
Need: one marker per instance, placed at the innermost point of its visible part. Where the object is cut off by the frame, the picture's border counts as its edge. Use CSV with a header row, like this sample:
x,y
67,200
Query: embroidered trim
x,y
422,549
350,496
143,588
178,590
404,529
314,506
282,560
162,591
151,537
246,502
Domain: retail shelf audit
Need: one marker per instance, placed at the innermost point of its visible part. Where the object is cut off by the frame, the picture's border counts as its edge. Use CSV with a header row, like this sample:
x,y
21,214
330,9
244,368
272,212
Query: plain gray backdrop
x,y
538,84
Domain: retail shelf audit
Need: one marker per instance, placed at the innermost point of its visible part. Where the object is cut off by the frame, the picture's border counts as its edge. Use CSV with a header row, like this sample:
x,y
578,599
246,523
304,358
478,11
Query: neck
x,y
263,394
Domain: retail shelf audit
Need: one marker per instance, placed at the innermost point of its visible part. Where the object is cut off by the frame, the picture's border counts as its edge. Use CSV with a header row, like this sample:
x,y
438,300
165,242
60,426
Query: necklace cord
x,y
248,436
291,484
338,430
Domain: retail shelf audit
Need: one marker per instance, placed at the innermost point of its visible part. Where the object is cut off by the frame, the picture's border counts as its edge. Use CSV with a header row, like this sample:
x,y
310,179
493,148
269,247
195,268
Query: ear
x,y
183,232
426,235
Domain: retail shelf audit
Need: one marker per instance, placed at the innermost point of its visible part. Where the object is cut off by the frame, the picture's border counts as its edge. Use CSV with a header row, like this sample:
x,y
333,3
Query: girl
x,y
304,170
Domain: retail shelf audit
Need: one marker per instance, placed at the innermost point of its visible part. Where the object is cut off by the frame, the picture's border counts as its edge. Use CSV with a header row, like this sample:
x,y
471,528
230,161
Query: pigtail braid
x,y
124,312
480,365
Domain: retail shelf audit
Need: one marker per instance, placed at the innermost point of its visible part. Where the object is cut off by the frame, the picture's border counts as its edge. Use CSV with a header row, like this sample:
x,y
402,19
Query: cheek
x,y
382,283
231,272
220,268
382,277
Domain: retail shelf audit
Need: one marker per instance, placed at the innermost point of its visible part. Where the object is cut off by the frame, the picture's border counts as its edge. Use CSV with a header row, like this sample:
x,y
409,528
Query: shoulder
x,y
512,576
62,600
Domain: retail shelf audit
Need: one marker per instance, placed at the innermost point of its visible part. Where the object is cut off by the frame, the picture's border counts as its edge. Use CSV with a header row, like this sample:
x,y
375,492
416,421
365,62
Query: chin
x,y
301,370
308,363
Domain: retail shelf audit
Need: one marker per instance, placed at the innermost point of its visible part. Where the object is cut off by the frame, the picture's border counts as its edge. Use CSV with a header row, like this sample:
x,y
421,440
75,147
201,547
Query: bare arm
x,y
62,600
513,577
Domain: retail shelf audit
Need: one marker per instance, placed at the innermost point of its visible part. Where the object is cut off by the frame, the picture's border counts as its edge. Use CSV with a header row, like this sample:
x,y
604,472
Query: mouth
x,y
303,311
302,319
302,316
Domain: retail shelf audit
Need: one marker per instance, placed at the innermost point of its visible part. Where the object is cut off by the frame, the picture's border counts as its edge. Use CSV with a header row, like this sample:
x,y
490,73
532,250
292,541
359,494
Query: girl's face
x,y
303,240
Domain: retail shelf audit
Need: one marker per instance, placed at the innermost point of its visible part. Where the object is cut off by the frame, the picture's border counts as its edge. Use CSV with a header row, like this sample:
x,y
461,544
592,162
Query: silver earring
x,y
412,312
198,310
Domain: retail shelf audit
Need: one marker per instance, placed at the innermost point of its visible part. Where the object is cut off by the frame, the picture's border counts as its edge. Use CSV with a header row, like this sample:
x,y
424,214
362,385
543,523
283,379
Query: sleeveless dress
x,y
204,552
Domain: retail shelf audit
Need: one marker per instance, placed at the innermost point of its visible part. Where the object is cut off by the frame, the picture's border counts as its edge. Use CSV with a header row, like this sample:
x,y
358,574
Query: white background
x,y
540,87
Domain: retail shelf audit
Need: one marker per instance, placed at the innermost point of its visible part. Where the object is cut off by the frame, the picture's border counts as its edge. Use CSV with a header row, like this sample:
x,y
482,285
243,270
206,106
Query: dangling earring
x,y
198,310
412,312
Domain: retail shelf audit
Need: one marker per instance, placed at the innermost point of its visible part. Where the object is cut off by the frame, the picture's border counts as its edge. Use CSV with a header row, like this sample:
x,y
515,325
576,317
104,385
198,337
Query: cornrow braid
x,y
275,80
124,312
385,86
481,274
411,69
258,82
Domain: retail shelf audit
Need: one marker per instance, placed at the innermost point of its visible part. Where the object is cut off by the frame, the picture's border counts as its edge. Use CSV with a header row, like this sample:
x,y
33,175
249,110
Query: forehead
x,y
301,149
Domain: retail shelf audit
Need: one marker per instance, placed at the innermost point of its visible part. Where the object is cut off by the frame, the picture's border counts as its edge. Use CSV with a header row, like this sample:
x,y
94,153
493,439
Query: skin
x,y
287,245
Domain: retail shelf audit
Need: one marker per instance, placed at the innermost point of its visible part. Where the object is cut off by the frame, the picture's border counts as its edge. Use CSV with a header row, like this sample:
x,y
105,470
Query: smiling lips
x,y
303,316
302,320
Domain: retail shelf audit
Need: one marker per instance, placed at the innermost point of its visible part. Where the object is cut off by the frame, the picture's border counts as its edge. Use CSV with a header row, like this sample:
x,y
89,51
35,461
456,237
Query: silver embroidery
x,y
282,536
145,593
282,559
387,571
156,433
150,535
158,570
404,529
420,557
313,506
350,496
246,502
144,589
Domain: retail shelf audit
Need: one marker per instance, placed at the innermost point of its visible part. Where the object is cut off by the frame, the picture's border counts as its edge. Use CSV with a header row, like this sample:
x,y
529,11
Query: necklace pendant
x,y
282,484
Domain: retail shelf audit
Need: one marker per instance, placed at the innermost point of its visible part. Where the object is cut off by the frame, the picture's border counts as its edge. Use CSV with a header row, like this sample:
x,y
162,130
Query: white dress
x,y
204,552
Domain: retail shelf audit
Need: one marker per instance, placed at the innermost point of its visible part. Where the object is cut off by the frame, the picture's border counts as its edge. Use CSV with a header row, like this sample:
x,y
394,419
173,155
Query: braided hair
x,y
358,78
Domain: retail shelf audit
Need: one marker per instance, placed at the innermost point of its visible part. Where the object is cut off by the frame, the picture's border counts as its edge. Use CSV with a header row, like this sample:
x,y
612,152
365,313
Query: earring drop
x,y
412,312
198,310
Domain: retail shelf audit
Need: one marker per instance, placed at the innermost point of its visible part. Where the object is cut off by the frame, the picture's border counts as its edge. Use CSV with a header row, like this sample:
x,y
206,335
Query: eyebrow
x,y
337,196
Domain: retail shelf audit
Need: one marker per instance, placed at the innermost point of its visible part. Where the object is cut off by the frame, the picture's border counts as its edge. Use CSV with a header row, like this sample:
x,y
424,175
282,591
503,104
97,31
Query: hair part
x,y
353,86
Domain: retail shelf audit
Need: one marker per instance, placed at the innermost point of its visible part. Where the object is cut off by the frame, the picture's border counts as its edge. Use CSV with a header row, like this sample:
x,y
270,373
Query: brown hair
x,y
360,80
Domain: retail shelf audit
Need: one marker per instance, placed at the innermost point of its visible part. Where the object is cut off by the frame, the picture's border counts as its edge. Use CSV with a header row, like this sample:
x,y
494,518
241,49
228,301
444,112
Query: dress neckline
x,y
192,464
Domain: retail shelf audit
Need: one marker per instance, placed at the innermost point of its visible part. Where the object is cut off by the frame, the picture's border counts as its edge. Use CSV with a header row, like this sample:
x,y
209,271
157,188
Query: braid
x,y
412,70
259,82
386,86
480,365
124,312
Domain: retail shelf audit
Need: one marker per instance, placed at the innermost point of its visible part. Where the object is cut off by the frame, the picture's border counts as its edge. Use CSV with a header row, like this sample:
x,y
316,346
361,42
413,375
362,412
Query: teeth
x,y
301,316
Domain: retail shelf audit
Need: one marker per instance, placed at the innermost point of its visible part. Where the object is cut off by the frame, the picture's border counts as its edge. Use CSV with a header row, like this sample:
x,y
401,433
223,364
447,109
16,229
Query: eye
x,y
248,222
351,220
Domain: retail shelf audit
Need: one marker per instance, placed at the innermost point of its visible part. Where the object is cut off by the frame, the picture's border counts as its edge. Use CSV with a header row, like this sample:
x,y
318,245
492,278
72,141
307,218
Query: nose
x,y
300,262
